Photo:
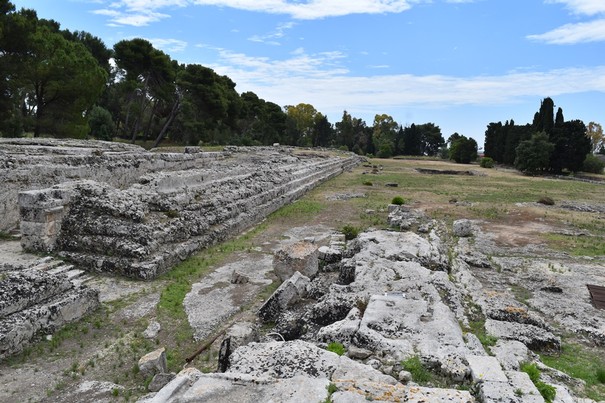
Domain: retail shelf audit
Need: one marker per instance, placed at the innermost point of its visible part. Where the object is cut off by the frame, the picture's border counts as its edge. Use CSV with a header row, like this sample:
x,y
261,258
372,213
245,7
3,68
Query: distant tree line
x,y
548,144
69,84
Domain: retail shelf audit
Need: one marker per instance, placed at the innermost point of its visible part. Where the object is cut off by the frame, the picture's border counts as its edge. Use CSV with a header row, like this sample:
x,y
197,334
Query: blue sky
x,y
457,63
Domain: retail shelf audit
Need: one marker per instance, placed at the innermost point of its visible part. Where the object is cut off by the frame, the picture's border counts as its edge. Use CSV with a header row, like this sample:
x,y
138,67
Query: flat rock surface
x,y
215,298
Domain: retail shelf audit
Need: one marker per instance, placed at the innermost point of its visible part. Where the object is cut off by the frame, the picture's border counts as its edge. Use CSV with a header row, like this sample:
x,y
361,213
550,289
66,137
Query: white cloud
x,y
592,31
320,80
273,37
169,45
315,9
587,7
137,13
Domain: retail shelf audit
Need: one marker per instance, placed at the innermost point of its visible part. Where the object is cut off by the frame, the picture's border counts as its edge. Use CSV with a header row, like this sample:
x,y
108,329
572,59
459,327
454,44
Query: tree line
x,y
69,84
549,144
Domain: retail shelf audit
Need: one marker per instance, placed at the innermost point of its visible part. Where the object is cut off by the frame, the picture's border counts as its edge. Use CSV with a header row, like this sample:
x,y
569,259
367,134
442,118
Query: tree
x,y
431,139
345,134
463,150
62,81
101,123
544,119
571,144
383,134
322,131
303,117
594,131
533,155
148,77
412,140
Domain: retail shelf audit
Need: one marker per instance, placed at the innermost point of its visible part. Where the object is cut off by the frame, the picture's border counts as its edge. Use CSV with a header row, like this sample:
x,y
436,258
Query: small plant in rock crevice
x,y
337,348
547,391
350,232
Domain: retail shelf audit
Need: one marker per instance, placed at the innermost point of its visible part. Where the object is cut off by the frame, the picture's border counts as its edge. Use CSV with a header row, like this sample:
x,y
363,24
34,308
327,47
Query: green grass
x,y
477,327
299,209
577,245
581,362
547,391
420,374
337,348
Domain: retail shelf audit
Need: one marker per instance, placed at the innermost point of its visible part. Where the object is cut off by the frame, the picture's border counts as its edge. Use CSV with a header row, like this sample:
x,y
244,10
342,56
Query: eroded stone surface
x,y
146,228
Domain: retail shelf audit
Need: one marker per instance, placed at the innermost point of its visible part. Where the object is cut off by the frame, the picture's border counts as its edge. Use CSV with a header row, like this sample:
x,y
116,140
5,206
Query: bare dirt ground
x,y
95,359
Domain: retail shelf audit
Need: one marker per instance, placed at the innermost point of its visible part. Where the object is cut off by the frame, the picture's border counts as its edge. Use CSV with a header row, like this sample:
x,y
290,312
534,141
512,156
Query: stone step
x,y
61,269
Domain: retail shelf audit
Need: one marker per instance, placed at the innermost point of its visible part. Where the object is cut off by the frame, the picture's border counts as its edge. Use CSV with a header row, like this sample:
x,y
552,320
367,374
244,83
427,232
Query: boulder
x,y
153,363
463,228
288,293
534,337
159,381
297,257
152,330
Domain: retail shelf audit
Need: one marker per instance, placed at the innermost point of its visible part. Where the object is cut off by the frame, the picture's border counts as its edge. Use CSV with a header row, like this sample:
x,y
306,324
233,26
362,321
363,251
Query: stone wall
x,y
143,230
38,301
27,164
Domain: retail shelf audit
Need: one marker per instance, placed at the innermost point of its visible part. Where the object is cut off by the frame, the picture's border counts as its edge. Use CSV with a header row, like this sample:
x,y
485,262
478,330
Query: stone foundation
x,y
27,164
143,230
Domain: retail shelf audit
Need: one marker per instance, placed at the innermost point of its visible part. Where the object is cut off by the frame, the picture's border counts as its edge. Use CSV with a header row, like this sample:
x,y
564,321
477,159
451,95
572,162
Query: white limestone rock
x,y
153,363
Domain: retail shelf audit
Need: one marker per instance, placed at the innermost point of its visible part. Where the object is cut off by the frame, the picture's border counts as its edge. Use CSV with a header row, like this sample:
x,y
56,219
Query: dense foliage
x,y
69,84
549,144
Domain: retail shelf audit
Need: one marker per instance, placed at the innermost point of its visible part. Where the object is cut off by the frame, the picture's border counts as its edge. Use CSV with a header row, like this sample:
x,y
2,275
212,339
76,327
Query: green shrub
x,y
368,183
548,201
487,162
337,348
350,232
415,367
547,391
593,164
398,200
601,375
101,123
385,151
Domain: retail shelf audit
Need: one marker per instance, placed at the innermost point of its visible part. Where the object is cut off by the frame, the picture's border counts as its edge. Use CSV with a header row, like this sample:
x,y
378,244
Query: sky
x,y
460,64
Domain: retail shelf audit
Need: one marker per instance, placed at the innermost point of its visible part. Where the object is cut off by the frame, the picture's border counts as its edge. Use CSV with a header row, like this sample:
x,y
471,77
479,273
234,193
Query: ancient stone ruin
x,y
350,320
115,208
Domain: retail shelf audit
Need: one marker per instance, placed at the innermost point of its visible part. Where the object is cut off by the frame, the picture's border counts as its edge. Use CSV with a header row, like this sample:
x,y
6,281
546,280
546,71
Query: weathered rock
x,y
238,278
151,332
143,229
358,353
298,257
329,255
532,336
181,382
462,228
288,293
511,353
159,381
34,302
153,363
218,388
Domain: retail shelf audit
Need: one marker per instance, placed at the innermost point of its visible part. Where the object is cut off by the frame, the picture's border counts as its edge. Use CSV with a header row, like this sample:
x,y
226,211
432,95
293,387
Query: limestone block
x,y
511,353
298,257
524,387
532,336
287,294
159,381
153,363
485,368
329,255
283,360
151,332
178,385
463,228
242,388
